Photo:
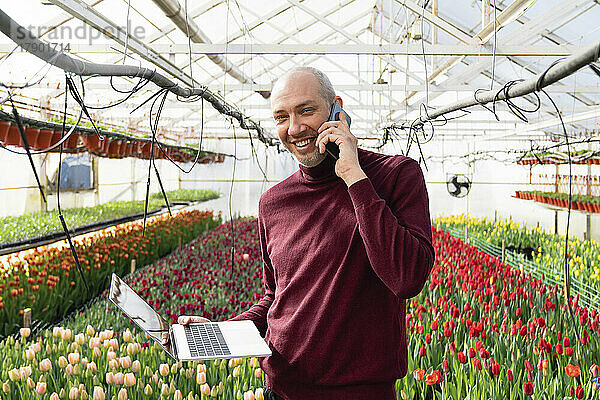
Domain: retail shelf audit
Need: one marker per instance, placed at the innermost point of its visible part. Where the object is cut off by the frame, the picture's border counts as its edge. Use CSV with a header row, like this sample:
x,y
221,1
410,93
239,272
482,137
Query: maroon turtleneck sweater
x,y
339,263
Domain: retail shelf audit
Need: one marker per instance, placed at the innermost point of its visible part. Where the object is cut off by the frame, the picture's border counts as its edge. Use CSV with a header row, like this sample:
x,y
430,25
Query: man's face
x,y
299,110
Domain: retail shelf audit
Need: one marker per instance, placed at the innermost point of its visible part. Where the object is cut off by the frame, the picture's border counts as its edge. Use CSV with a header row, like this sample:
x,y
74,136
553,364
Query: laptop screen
x,y
139,311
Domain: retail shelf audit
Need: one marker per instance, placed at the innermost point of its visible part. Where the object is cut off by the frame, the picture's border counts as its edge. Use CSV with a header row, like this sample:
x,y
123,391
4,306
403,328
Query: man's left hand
x,y
338,132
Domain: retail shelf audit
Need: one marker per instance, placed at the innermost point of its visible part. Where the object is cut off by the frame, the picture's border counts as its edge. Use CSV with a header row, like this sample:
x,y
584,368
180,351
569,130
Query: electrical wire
x,y
60,215
567,280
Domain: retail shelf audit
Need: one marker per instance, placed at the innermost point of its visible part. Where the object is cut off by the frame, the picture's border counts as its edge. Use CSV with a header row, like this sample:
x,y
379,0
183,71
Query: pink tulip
x,y
98,393
122,394
129,379
40,388
45,365
119,378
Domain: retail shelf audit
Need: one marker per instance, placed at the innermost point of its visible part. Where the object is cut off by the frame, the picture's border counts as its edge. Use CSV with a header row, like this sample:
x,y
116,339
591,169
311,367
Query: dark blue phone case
x,y
332,149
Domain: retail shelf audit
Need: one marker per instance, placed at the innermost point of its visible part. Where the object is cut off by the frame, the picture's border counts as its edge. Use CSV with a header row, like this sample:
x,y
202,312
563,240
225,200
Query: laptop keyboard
x,y
206,340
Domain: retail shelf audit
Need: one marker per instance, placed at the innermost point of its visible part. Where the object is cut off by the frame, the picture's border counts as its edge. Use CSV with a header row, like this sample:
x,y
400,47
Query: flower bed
x,y
483,329
479,329
547,249
36,224
578,202
196,279
46,280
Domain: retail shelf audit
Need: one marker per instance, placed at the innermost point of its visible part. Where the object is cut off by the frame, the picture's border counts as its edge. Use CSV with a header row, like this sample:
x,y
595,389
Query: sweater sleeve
x,y
258,312
397,233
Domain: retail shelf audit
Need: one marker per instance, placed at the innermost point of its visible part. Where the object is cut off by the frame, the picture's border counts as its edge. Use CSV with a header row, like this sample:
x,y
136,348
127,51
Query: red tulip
x,y
445,366
569,351
509,375
528,388
428,338
461,357
579,392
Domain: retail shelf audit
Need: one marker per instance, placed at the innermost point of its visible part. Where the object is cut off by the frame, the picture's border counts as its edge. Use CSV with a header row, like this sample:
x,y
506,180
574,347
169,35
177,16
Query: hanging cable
x,y
60,215
26,144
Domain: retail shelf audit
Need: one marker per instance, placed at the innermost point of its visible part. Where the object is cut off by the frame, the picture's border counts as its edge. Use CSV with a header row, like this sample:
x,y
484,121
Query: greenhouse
x,y
299,199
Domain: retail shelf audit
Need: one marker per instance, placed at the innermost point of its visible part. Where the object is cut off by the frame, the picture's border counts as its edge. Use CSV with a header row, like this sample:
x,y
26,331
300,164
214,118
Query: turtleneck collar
x,y
324,171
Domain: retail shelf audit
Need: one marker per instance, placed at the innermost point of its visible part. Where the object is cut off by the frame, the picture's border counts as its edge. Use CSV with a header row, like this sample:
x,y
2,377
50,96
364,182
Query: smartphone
x,y
332,149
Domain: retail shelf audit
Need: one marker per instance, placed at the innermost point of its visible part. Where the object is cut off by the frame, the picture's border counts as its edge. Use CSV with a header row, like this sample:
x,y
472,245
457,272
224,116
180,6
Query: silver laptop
x,y
207,341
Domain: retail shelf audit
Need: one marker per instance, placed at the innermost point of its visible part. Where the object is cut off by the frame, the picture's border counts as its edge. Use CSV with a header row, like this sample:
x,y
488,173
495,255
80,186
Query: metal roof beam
x,y
413,49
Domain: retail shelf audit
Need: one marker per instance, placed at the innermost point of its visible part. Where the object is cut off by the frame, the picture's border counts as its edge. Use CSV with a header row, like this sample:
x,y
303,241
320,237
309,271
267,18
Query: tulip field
x,y
46,279
479,330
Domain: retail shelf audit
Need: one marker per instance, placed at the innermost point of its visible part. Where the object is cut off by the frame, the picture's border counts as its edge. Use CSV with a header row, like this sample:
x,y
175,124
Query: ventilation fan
x,y
459,185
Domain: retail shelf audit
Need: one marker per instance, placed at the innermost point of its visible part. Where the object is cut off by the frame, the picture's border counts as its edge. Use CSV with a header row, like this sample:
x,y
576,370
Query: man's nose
x,y
295,126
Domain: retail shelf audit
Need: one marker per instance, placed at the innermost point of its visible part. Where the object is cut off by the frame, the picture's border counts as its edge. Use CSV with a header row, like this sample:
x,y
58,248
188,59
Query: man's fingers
x,y
343,118
165,338
191,319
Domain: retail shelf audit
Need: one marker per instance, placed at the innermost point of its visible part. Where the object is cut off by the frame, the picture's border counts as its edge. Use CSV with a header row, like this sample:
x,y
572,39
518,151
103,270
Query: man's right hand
x,y
184,320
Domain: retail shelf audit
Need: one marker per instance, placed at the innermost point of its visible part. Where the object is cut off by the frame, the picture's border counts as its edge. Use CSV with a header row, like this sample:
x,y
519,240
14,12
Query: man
x,y
344,244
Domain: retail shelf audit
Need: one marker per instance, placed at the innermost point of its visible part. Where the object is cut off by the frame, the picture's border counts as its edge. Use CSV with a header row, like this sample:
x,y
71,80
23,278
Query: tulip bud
x,y
80,339
96,353
129,379
94,342
25,332
163,369
113,364
37,347
6,387
40,388
214,392
69,369
201,368
125,362
25,372
164,390
62,393
54,396
174,369
62,362
110,378
205,389
98,393
73,393
177,395
258,373
119,378
127,336
90,332
136,366
148,390
258,394
30,383
122,394
73,358
56,332
92,367
29,354
66,334
201,378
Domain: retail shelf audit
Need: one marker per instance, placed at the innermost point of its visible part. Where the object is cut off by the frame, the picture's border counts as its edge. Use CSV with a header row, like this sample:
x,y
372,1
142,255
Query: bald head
x,y
325,89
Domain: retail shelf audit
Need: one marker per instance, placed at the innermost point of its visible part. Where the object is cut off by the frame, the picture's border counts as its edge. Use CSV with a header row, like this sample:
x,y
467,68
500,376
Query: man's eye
x,y
280,117
308,110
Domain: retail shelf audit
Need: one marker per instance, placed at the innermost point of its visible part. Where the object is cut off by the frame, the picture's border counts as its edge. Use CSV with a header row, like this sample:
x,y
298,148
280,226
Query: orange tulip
x,y
419,374
572,370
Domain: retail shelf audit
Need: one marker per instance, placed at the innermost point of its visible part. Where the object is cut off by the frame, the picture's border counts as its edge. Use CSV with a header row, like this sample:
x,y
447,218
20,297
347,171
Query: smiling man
x,y
344,244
